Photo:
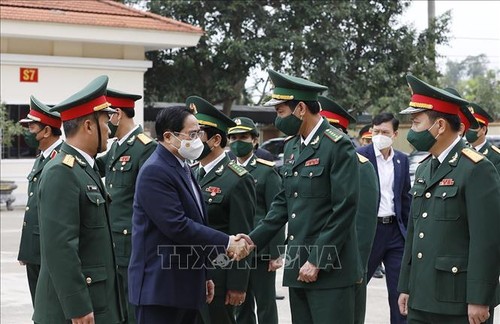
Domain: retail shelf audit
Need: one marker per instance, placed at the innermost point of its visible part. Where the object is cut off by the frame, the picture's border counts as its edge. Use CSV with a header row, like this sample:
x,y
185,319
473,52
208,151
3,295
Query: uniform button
x,y
111,185
88,280
291,237
114,169
121,169
27,208
286,172
209,200
414,193
295,174
293,215
295,194
424,215
454,269
114,245
419,255
428,195
31,194
310,174
444,194
34,179
24,223
421,235
125,232
97,201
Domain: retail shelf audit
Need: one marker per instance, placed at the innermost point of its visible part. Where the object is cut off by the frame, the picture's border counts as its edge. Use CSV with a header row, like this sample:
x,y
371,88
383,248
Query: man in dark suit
x,y
44,131
170,240
393,207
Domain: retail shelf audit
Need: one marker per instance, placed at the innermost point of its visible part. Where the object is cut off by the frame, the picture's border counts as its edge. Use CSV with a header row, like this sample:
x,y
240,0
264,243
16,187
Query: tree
x,y
356,48
9,127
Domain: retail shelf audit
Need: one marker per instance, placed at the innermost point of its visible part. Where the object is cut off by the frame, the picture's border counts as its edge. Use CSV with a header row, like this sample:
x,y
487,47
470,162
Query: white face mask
x,y
381,141
191,149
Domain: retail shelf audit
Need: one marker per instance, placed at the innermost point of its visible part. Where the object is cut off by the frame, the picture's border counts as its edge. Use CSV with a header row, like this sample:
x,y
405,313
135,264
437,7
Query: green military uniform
x,y
120,165
366,217
229,194
319,201
452,255
262,284
78,270
29,247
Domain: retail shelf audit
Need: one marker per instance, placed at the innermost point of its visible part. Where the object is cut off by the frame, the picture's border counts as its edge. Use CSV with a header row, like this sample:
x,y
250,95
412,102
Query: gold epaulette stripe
x,y
266,162
473,155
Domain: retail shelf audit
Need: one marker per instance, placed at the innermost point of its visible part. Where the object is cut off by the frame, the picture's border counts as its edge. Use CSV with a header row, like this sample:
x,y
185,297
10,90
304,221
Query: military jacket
x,y
452,254
319,202
78,270
29,247
492,153
120,165
267,185
229,194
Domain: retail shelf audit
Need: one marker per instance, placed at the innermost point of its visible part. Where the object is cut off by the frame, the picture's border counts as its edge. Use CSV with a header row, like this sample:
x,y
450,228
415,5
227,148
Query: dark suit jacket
x,y
402,198
170,239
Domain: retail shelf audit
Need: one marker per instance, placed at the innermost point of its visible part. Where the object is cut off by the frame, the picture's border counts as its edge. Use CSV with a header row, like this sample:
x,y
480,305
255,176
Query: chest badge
x,y
213,190
447,182
312,162
92,188
124,159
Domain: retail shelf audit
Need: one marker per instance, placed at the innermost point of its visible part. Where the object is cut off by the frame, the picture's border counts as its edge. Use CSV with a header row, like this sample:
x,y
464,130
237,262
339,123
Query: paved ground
x,y
16,302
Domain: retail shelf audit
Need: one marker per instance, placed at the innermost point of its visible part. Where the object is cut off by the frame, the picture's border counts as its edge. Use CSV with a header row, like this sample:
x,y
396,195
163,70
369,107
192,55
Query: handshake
x,y
240,246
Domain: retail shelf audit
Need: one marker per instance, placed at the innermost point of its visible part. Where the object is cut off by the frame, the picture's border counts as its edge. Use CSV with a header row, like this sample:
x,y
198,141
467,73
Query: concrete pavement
x,y
16,302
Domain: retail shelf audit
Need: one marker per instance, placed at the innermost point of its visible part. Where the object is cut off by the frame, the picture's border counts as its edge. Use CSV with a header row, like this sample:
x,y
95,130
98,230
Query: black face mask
x,y
206,151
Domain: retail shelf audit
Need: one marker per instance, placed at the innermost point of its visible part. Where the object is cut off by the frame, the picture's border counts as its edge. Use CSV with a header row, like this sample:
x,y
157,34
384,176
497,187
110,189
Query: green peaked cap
x,y
207,114
40,112
335,113
243,125
287,87
90,99
480,114
120,99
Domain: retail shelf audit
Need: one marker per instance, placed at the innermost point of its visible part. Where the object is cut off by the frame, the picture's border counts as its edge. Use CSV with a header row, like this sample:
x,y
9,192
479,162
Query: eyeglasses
x,y
192,135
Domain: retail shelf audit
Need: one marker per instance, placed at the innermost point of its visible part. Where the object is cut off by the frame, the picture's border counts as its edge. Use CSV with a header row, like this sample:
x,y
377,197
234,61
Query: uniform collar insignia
x,y
131,140
80,161
454,158
253,162
219,170
315,140
485,152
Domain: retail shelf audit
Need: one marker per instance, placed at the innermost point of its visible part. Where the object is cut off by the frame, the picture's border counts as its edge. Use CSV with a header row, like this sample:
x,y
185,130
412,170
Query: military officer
x,y
44,131
120,165
366,217
365,135
261,287
229,193
78,280
451,262
477,137
321,180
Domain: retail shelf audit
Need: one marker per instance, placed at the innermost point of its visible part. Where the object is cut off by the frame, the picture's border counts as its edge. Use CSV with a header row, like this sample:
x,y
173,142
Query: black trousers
x,y
156,314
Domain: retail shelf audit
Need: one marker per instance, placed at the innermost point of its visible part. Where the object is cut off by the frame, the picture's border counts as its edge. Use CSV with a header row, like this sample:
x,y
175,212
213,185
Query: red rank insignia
x,y
312,162
213,190
53,154
124,159
447,182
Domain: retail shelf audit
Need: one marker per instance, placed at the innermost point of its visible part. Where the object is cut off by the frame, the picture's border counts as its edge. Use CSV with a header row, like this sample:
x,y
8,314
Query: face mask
x,y
30,139
289,125
471,136
241,148
381,141
206,151
113,128
421,141
191,149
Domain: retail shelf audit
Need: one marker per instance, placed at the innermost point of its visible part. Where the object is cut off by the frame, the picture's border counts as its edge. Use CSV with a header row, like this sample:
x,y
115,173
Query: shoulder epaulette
x,y
289,138
266,162
362,158
239,170
495,148
145,139
473,155
333,134
69,160
425,158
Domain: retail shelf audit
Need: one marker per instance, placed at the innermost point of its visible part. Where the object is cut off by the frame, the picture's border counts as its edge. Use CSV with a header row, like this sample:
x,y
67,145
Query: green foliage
x,y
8,127
357,48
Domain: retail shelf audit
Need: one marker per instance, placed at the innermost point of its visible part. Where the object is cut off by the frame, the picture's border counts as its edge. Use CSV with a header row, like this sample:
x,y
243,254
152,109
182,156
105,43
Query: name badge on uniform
x,y
213,190
447,182
312,162
92,188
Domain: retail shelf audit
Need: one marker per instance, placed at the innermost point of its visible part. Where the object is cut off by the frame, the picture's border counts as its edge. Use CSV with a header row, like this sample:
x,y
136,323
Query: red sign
x,y
28,74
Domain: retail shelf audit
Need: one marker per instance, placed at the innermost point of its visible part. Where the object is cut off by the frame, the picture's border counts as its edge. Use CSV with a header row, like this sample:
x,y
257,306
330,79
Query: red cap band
x,y
420,101
121,102
334,118
87,108
367,135
464,120
44,119
481,119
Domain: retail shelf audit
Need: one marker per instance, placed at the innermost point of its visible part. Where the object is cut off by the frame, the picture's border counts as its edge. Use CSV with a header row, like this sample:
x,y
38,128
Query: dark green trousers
x,y
123,280
32,272
360,303
218,313
322,306
420,317
261,291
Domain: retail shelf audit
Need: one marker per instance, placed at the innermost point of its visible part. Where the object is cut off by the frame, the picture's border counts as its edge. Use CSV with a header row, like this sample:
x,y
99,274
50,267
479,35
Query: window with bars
x,y
19,148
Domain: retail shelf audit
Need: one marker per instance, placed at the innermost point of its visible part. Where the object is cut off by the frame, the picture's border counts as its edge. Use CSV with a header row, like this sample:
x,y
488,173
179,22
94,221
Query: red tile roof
x,y
89,12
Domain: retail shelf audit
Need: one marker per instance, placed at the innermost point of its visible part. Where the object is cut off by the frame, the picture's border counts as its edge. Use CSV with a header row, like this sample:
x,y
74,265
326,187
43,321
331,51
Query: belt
x,y
386,219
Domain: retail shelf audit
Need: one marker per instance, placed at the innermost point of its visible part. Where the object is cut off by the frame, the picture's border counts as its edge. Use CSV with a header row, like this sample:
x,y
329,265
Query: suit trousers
x,y
388,246
322,306
219,313
156,314
32,272
420,317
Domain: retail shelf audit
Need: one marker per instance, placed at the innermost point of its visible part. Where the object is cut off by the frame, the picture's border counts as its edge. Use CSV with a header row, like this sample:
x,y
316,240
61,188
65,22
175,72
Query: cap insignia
x,y
192,108
237,121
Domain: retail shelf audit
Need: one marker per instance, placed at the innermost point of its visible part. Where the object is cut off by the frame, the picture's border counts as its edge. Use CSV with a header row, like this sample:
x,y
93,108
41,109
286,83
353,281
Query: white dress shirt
x,y
385,169
124,138
311,134
212,164
49,150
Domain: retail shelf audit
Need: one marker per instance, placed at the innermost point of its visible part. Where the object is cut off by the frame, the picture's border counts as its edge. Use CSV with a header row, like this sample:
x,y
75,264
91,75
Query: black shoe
x,y
378,274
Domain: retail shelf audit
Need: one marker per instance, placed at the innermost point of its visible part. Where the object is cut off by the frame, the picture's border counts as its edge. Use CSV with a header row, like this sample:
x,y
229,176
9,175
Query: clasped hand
x,y
240,246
